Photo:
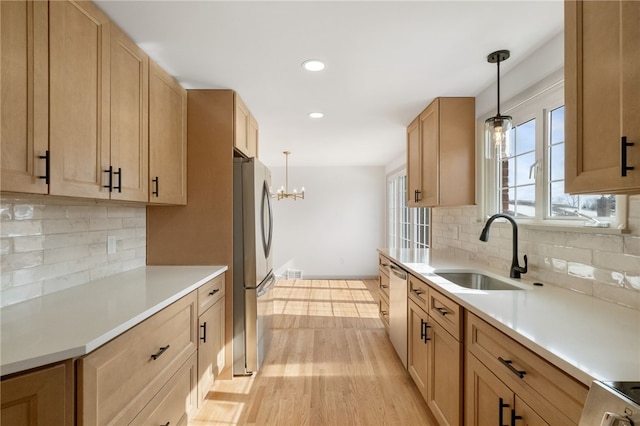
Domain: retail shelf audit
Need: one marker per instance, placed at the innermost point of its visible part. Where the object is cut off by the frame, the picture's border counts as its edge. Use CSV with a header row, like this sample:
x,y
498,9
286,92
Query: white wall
x,y
335,231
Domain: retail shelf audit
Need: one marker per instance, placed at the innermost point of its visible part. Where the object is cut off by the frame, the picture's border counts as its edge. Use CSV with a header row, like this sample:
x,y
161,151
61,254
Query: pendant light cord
x,y
498,63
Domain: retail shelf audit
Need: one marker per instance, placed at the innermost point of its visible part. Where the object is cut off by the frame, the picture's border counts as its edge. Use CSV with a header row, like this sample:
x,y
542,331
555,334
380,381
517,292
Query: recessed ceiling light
x,y
313,65
316,115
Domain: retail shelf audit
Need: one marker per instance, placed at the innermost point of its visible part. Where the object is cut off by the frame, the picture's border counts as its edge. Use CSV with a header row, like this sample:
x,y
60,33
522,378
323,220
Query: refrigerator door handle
x,y
266,285
267,234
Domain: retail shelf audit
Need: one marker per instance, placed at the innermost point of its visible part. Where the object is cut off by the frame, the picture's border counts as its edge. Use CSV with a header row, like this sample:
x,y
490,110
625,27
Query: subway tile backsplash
x,y
48,245
605,266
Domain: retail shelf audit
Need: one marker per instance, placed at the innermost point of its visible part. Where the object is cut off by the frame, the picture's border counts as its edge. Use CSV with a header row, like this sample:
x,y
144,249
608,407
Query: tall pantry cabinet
x,y
201,232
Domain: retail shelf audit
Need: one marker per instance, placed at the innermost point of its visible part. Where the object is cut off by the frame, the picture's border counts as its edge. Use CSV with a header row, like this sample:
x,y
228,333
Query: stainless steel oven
x,y
612,404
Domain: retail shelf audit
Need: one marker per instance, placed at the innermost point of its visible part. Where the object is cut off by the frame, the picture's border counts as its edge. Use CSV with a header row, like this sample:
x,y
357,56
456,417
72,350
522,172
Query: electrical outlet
x,y
111,244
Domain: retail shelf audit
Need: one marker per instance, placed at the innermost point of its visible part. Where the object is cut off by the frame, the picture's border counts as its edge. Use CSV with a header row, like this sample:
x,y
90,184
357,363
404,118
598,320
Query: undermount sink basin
x,y
477,281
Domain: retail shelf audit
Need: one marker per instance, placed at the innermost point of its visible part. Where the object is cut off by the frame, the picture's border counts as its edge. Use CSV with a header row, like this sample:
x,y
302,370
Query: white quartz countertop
x,y
586,337
74,322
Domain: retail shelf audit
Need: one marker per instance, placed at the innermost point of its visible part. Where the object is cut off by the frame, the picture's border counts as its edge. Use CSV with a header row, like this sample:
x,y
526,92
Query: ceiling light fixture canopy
x,y
497,128
283,191
313,65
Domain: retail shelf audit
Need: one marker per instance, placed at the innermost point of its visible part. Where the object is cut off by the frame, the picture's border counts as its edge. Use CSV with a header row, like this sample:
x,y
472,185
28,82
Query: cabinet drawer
x,y
547,389
446,312
118,379
383,311
209,293
173,404
418,292
383,281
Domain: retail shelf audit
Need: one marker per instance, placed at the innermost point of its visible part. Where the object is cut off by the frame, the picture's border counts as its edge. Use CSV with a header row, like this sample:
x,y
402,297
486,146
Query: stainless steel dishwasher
x,y
398,311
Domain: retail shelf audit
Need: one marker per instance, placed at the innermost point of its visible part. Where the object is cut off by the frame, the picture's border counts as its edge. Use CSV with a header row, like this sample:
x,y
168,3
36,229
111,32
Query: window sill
x,y
572,228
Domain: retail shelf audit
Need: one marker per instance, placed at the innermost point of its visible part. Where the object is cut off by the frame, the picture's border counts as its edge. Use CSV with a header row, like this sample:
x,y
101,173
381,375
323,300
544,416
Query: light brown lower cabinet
x,y
488,401
39,397
210,347
117,381
537,392
174,401
435,364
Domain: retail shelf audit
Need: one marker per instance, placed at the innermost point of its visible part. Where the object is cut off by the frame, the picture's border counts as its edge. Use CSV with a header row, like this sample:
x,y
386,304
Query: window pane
x,y
598,205
525,201
523,168
557,125
557,162
525,140
562,204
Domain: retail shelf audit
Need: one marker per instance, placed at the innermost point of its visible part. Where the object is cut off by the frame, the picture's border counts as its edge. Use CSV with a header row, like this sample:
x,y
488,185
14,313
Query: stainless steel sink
x,y
477,281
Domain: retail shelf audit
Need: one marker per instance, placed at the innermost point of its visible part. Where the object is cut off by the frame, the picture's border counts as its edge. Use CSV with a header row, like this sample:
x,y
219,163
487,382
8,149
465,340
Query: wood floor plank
x,y
330,363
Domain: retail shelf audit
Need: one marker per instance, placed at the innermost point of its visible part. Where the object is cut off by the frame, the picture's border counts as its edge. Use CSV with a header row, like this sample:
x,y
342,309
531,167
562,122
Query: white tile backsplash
x,y
602,265
51,244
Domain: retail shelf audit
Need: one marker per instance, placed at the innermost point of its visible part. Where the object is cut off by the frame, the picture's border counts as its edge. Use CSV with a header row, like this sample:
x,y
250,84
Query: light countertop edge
x,y
47,333
582,358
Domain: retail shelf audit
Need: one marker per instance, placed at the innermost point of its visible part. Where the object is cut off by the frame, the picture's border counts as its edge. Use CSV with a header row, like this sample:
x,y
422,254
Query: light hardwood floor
x,y
330,363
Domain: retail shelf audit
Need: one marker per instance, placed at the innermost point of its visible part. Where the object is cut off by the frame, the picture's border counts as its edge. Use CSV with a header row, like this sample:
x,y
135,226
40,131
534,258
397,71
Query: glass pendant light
x,y
497,129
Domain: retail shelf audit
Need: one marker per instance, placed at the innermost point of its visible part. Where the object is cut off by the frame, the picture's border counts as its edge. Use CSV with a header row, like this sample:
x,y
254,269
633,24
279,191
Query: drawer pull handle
x,y
160,352
417,291
214,291
442,311
204,332
501,407
384,313
508,363
166,424
384,286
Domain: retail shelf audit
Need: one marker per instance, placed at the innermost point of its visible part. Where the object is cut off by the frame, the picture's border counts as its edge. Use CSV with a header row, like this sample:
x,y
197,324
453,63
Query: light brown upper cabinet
x,y
79,80
24,83
441,154
245,138
129,119
602,96
167,138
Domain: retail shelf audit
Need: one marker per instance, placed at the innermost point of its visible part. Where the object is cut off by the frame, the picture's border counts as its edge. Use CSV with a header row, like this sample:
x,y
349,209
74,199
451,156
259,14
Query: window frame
x,y
535,103
400,216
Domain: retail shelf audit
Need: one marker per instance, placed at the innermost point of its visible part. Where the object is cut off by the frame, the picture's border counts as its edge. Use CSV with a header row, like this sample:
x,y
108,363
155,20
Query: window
x,y
530,183
406,227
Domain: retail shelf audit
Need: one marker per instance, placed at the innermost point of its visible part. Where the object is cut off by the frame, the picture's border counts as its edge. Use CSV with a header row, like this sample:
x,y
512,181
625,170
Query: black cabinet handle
x,y
47,167
508,364
166,424
418,292
423,330
623,160
384,313
204,332
160,352
442,311
212,292
157,190
416,195
110,185
119,173
384,286
501,407
514,417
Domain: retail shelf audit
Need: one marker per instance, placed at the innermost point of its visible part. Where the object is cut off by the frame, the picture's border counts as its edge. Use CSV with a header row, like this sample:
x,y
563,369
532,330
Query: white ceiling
x,y
385,61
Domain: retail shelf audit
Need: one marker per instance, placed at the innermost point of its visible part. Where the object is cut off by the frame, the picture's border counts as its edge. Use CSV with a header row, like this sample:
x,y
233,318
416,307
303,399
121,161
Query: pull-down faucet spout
x,y
516,269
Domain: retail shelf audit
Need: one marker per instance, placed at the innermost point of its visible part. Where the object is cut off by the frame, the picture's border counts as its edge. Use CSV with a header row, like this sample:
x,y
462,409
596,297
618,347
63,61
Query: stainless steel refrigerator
x,y
253,276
